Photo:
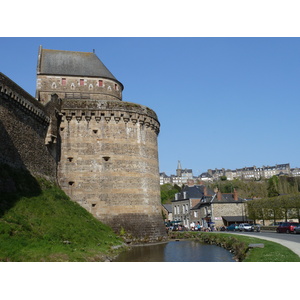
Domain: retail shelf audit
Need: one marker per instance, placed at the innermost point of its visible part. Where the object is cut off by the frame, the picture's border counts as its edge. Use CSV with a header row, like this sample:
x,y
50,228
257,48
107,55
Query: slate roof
x,y
168,207
196,191
205,174
72,63
227,198
237,219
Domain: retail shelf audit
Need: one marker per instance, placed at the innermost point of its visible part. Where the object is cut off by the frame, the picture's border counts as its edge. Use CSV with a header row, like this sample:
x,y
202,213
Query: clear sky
x,y
222,102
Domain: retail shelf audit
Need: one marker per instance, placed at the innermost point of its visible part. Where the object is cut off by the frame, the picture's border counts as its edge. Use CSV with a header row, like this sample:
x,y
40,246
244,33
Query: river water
x,y
176,251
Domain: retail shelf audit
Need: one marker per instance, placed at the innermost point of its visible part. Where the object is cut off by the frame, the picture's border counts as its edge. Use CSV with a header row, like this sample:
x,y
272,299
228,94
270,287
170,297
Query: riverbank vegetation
x,y
239,246
38,222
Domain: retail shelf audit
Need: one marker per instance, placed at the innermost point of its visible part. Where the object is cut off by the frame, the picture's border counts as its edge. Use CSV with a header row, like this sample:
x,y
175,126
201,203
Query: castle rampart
x,y
24,127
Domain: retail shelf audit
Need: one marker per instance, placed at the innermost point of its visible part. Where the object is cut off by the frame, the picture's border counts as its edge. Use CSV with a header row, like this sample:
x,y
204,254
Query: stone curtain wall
x,y
23,129
109,164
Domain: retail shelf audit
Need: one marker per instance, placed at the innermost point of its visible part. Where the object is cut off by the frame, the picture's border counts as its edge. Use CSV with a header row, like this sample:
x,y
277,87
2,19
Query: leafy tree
x,y
167,192
273,186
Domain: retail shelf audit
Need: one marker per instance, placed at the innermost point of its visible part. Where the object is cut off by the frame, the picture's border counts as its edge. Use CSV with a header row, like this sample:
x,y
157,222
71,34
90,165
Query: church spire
x,y
179,169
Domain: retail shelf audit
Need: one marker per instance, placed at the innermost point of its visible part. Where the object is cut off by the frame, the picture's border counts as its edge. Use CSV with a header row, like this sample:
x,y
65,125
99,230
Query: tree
x,y
275,208
223,178
167,192
273,186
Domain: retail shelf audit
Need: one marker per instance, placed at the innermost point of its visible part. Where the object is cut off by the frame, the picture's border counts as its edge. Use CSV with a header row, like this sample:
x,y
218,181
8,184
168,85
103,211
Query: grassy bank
x,y
238,244
41,223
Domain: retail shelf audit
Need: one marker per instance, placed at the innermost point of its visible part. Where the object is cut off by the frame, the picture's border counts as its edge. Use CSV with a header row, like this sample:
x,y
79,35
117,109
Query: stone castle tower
x,y
107,158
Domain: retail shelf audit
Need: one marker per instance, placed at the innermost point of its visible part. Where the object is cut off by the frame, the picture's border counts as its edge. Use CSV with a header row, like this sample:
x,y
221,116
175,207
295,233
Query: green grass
x,y
272,252
50,227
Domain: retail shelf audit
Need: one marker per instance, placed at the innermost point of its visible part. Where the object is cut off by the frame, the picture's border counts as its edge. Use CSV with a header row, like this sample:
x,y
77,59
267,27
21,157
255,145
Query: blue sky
x,y
222,102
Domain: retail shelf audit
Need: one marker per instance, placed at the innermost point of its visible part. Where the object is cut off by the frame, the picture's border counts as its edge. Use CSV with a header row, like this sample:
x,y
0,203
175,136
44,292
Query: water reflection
x,y
177,251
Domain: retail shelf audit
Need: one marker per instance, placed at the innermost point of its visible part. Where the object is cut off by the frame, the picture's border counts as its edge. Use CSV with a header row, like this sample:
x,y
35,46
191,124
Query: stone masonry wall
x,y
24,126
109,164
227,209
70,87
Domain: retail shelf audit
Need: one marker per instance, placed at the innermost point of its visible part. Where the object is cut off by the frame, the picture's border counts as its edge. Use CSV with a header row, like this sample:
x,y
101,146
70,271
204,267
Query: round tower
x,y
109,154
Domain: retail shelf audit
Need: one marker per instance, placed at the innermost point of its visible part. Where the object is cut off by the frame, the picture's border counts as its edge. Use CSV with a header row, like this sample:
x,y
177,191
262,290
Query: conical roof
x,y
71,63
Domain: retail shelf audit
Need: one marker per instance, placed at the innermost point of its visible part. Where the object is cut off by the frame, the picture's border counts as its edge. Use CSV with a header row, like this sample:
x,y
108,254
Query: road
x,y
288,240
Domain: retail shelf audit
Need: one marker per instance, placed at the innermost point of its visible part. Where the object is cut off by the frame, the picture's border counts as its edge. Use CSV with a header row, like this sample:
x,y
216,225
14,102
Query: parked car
x,y
232,227
246,227
287,227
297,229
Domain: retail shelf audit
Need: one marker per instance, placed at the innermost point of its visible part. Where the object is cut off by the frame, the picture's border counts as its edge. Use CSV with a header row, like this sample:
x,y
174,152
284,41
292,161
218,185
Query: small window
x,y
71,183
106,158
100,82
116,87
64,81
81,82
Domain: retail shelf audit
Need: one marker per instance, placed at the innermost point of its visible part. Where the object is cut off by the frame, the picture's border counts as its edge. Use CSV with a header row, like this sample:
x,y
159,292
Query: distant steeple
x,y
179,169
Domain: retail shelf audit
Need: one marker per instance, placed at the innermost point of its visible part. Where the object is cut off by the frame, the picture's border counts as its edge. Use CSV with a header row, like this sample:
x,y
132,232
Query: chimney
x,y
219,196
235,195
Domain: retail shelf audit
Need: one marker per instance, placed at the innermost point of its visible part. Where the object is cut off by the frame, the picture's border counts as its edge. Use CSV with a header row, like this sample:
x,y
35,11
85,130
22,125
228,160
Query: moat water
x,y
176,251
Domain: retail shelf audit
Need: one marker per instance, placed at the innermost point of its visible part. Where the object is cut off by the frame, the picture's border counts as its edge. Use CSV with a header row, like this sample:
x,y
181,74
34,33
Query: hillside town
x,y
198,205
247,173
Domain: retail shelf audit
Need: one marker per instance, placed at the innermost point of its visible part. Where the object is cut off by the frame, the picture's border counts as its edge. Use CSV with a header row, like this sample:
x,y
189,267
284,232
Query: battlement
x,y
110,111
12,92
